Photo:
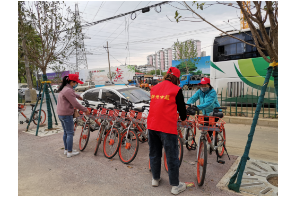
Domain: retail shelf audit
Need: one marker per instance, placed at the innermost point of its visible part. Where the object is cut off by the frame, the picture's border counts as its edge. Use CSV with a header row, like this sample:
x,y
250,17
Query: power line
x,y
96,13
121,15
188,33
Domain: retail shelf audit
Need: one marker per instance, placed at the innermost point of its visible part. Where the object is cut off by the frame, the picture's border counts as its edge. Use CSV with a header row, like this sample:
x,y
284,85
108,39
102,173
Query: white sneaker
x,y
155,183
65,151
178,189
73,153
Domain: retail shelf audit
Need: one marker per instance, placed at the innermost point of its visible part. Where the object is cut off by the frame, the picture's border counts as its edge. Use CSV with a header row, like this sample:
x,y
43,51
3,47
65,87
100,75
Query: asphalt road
x,y
45,170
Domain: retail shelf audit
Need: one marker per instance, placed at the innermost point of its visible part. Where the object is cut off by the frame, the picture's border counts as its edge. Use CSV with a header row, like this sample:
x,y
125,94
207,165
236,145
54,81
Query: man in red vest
x,y
166,100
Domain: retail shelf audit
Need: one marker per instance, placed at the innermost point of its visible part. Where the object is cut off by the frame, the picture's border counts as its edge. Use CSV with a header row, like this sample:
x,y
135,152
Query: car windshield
x,y
183,78
24,86
135,94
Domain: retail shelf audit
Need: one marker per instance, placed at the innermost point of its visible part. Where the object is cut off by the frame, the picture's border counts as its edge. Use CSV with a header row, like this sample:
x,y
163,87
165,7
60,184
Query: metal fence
x,y
241,102
21,98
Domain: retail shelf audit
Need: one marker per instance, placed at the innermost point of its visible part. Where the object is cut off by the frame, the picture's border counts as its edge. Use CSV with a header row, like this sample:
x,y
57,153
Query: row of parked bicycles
x,y
121,128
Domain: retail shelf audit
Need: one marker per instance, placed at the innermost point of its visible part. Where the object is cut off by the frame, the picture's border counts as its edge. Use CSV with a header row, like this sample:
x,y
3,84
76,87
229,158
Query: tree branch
x,y
218,28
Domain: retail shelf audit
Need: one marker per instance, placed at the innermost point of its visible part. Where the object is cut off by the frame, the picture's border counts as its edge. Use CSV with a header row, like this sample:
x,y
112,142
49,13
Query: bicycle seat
x,y
32,105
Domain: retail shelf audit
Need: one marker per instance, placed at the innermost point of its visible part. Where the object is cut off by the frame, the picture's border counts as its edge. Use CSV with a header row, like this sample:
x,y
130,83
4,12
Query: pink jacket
x,y
67,101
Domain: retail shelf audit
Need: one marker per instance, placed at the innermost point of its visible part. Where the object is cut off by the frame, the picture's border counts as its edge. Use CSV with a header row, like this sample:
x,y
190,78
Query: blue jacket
x,y
208,101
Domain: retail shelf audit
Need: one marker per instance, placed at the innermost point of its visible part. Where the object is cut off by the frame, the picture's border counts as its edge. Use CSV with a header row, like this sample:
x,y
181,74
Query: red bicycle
x,y
22,108
216,125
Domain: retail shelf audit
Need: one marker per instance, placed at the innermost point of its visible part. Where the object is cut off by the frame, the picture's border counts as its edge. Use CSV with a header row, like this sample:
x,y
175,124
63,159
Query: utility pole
x,y
155,63
80,53
109,60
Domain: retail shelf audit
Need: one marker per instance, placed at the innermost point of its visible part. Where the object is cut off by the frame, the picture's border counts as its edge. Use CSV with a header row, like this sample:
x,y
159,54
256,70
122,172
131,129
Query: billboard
x,y
51,76
120,75
200,67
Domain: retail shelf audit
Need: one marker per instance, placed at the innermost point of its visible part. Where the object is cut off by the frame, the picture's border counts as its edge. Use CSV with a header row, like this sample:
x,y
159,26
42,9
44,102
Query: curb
x,y
248,121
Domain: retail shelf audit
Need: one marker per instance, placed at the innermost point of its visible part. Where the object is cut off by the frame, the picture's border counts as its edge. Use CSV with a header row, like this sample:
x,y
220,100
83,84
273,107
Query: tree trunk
x,y
186,67
244,158
32,79
29,80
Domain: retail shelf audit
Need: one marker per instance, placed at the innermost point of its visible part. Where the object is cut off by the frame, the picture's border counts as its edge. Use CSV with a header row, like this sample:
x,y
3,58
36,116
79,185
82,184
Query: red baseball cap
x,y
204,81
74,77
174,71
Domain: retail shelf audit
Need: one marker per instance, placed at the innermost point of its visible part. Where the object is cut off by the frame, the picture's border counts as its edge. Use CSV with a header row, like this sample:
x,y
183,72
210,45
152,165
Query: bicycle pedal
x,y
221,162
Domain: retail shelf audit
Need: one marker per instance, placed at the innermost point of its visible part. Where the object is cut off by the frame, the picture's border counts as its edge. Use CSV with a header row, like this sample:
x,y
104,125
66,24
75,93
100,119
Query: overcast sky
x,y
148,32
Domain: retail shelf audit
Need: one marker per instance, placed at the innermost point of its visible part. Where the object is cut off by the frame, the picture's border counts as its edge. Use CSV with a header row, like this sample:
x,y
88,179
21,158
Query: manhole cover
x,y
273,180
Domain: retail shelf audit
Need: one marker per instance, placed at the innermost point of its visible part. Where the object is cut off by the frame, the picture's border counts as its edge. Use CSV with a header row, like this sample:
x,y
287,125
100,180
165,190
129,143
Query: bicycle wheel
x,y
191,142
128,147
99,138
111,143
42,117
202,162
180,155
218,139
84,138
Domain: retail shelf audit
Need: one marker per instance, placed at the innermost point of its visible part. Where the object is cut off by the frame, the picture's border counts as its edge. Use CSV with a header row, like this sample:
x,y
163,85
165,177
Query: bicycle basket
x,y
208,123
131,114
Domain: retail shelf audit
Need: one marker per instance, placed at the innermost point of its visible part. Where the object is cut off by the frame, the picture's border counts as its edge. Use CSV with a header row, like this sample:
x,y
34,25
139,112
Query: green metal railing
x,y
244,104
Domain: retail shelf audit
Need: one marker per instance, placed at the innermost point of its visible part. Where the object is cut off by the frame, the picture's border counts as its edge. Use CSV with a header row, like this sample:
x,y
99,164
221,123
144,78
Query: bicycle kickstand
x,y
226,151
221,161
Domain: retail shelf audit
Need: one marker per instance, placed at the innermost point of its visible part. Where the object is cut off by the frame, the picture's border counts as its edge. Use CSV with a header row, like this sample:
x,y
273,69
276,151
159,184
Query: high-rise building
x,y
203,53
163,58
168,58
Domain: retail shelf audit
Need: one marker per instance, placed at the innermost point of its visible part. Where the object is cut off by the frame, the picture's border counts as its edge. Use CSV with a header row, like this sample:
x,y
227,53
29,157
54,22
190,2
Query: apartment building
x,y
163,58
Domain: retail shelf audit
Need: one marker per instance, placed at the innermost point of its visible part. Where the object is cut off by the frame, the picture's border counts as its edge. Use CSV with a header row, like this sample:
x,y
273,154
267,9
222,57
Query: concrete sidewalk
x,y
43,169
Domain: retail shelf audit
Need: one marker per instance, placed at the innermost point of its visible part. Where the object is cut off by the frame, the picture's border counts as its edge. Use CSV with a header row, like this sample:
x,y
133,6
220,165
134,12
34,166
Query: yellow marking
x,y
273,64
167,97
152,97
157,96
161,97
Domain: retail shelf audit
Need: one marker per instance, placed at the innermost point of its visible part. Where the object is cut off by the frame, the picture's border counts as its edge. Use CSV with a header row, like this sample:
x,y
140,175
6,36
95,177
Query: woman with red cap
x,y
166,100
65,110
207,96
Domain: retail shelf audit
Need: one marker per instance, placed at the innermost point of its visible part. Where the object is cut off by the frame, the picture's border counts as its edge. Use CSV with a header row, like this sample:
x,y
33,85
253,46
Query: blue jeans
x,y
156,141
67,124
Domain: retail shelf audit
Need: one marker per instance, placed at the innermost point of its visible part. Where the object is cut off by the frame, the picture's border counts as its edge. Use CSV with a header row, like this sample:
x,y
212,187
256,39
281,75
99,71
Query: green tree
x,y
186,53
52,28
183,69
26,34
152,72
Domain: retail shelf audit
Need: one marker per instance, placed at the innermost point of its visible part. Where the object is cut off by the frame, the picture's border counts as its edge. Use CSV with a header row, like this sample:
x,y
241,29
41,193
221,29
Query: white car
x,y
119,93
55,88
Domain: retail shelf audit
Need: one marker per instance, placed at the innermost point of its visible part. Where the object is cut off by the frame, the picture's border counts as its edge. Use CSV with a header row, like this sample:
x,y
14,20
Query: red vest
x,y
163,108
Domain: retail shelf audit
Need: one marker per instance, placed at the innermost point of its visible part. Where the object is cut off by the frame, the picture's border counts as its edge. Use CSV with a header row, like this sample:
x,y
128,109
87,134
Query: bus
x,y
236,66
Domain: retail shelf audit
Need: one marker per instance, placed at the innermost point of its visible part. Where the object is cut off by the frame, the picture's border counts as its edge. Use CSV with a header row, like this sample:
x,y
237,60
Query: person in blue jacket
x,y
208,98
